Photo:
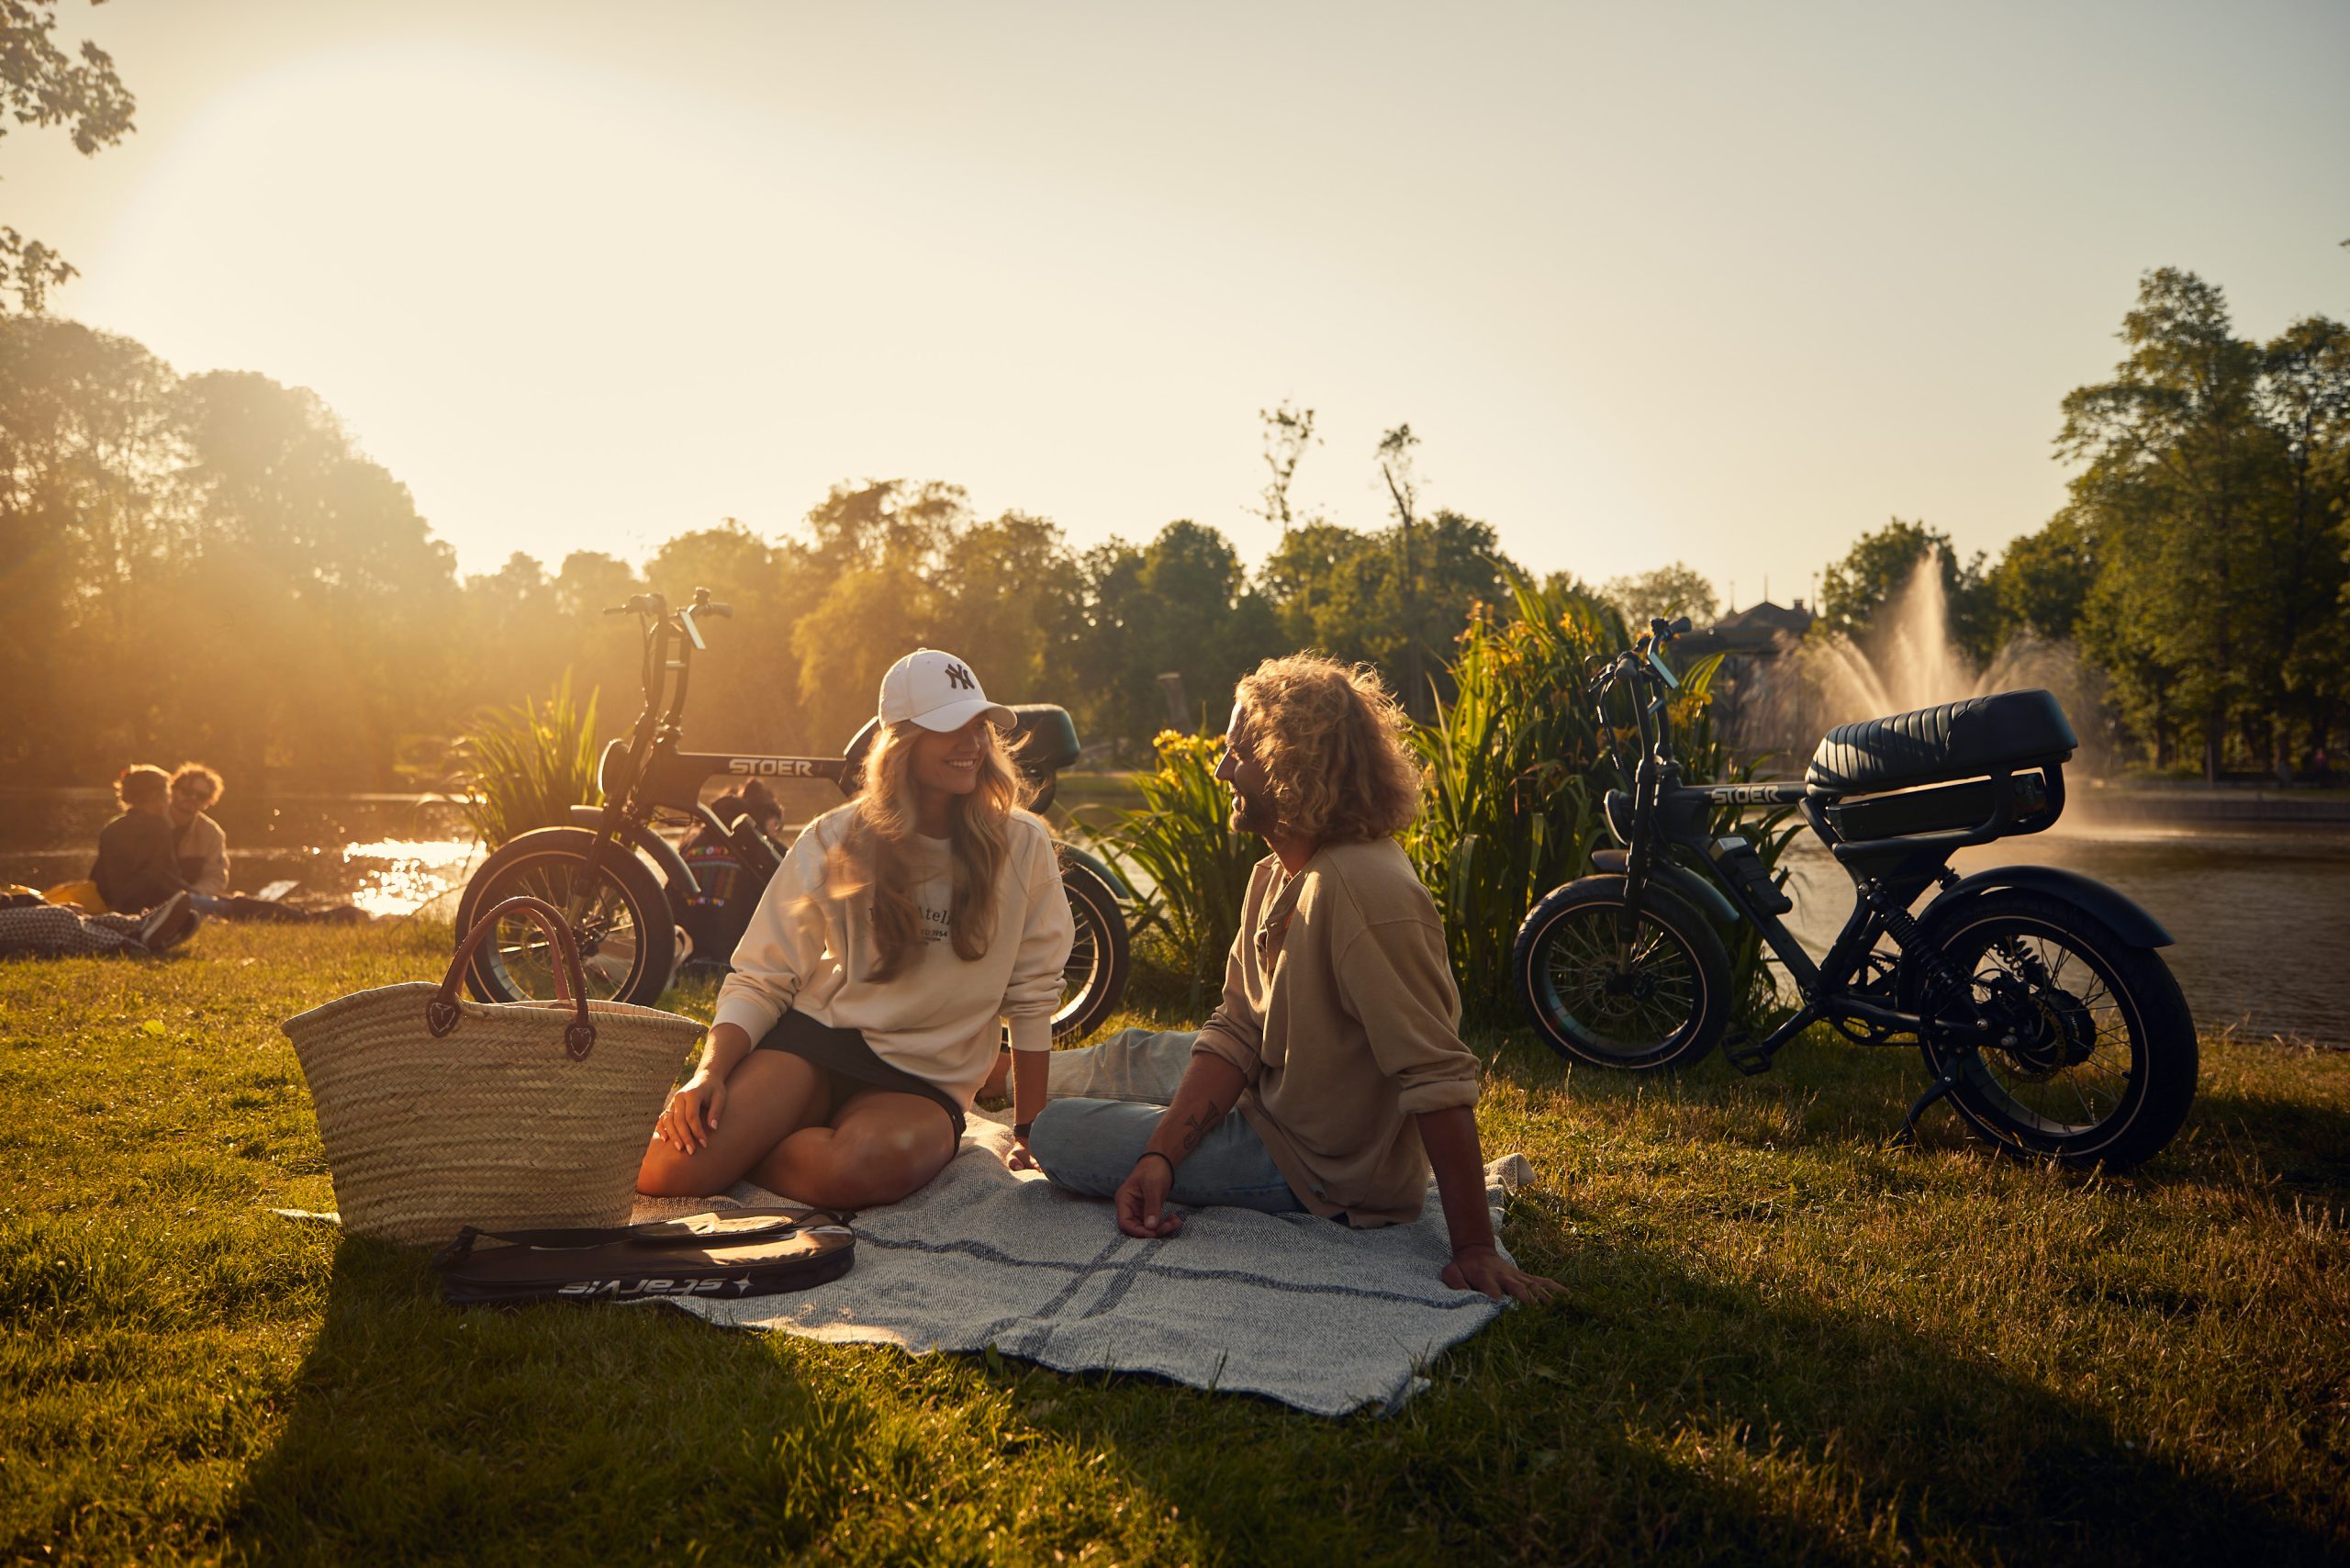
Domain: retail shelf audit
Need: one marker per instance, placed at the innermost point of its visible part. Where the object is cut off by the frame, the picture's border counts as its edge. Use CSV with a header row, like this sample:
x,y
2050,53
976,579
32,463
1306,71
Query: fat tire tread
x,y
1110,987
2169,1058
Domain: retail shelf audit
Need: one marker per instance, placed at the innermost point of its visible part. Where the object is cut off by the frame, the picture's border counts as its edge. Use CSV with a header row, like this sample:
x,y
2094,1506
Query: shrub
x,y
1516,770
525,767
1189,865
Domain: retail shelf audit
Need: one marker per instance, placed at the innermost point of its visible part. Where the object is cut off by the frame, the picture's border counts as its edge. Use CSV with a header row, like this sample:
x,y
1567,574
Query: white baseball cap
x,y
937,691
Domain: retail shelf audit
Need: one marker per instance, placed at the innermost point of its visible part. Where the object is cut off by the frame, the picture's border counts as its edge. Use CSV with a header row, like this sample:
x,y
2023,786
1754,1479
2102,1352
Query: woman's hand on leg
x,y
691,1115
767,1099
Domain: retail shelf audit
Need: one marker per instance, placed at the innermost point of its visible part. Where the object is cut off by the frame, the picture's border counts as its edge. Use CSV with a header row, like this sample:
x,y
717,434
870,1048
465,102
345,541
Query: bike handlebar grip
x,y
1680,627
724,611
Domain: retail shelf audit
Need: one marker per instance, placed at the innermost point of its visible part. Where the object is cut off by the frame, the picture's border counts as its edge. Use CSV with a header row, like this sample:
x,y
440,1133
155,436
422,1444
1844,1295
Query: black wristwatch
x,y
1020,1130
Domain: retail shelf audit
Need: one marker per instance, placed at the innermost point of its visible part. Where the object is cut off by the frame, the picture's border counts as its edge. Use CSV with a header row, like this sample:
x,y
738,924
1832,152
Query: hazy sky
x,y
1727,282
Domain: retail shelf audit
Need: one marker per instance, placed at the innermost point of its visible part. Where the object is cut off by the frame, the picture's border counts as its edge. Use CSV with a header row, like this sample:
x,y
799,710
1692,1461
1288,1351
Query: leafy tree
x,y
1677,589
2042,581
2211,486
1011,597
87,509
41,86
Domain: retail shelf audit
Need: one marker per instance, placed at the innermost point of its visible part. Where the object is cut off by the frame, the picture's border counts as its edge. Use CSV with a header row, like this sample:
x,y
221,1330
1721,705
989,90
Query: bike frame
x,y
648,772
1662,815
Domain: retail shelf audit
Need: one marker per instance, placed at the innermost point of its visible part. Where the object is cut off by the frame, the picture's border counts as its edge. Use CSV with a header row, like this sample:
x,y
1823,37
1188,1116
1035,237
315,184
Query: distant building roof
x,y
1752,630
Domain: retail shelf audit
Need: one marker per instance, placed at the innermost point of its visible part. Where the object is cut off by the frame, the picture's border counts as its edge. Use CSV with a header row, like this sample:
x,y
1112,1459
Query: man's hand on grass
x,y
1481,1269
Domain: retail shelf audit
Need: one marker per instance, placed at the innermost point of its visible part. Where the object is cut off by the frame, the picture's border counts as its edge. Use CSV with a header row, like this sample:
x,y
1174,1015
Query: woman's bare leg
x,y
771,1095
882,1146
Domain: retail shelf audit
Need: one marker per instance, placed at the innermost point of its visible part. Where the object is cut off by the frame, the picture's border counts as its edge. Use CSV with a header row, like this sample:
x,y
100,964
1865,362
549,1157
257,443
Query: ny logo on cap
x,y
960,678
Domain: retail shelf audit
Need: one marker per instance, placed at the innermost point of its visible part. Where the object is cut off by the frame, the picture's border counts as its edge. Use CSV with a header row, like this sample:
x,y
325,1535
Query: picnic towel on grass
x,y
1290,1306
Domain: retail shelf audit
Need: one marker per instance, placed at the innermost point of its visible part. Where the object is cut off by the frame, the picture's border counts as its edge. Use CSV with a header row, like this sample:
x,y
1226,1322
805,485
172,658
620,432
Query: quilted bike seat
x,y
1956,740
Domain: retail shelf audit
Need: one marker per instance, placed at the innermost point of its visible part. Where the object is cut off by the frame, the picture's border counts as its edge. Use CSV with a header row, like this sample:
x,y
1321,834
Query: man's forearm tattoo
x,y
1199,1124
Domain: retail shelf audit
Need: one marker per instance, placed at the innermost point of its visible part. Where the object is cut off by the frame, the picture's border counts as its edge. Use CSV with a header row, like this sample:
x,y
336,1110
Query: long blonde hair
x,y
872,855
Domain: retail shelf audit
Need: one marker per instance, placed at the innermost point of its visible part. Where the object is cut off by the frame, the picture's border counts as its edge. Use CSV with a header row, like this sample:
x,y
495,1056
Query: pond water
x,y
2261,912
387,854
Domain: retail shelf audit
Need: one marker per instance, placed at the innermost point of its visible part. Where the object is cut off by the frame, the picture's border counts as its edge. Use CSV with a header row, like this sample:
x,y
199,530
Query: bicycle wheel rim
x,y
2033,1090
1575,962
517,956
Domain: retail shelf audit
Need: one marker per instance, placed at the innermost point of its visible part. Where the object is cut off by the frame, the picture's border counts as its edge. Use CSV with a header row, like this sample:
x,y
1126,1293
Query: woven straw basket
x,y
438,1113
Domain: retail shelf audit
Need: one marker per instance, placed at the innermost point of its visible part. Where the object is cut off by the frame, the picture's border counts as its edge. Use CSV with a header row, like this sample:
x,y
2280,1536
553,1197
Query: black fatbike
x,y
631,897
2043,1009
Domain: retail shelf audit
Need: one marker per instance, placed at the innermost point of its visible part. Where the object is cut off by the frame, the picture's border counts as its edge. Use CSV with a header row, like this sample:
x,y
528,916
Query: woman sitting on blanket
x,y
860,1019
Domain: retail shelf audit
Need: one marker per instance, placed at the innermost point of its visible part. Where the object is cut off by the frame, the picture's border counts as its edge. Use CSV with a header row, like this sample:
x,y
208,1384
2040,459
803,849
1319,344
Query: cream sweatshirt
x,y
936,1018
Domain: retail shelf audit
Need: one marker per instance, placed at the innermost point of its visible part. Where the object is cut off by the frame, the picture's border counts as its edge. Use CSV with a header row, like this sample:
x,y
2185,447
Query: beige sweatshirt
x,y
936,1018
1339,1006
202,851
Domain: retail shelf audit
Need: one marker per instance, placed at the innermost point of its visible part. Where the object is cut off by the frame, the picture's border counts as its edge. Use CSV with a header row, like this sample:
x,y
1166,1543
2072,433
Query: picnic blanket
x,y
1289,1306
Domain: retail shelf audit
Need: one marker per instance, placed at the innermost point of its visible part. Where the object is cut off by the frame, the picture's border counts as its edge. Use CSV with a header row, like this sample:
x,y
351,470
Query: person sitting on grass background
x,y
861,1014
198,847
147,906
1338,1037
135,869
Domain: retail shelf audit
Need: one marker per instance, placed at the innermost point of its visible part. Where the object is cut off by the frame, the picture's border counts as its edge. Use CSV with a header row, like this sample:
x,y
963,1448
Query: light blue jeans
x,y
1104,1103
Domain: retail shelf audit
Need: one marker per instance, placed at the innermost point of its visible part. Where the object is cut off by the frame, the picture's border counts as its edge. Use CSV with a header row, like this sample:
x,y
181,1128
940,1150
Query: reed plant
x,y
525,767
1515,770
1189,865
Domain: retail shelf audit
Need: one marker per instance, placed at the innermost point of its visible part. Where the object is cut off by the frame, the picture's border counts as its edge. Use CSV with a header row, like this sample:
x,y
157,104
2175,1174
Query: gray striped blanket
x,y
1294,1309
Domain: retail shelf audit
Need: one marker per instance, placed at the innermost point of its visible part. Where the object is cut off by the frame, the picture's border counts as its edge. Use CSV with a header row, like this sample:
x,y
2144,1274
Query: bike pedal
x,y
1742,1053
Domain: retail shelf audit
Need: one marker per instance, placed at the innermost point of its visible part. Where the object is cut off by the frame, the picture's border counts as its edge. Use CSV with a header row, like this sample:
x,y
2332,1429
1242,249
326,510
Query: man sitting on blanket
x,y
1338,1037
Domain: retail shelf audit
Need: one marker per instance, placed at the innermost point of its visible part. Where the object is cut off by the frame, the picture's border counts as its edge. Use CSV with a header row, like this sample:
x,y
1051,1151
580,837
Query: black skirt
x,y
848,1064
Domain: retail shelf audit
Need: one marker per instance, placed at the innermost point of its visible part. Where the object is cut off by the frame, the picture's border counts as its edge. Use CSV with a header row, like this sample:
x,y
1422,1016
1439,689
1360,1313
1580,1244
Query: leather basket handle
x,y
442,1012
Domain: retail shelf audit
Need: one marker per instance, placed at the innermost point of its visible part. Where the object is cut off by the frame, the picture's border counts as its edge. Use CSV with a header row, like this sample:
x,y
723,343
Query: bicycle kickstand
x,y
1944,1081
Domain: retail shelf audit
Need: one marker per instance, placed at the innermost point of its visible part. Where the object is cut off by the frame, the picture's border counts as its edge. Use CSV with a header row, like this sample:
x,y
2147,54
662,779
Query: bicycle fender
x,y
1100,867
675,872
2129,922
1694,889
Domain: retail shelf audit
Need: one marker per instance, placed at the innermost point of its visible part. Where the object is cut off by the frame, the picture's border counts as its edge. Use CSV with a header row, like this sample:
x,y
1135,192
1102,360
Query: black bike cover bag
x,y
723,1255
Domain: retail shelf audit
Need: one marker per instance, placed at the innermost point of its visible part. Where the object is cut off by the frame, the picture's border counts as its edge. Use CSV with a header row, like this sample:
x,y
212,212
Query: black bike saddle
x,y
1956,740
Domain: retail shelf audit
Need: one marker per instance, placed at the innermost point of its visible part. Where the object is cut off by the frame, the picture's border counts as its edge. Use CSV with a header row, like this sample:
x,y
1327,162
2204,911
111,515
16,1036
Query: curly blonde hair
x,y
873,854
1331,740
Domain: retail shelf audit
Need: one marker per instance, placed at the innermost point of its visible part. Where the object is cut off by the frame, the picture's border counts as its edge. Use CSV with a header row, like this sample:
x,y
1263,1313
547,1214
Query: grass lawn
x,y
1783,1342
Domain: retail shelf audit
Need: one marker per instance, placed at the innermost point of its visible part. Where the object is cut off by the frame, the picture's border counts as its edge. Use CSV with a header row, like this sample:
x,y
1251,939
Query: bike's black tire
x,y
547,863
1574,921
2153,1036
1100,959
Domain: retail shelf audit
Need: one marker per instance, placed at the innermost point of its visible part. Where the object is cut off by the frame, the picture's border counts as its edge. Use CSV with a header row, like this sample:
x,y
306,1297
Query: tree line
x,y
209,565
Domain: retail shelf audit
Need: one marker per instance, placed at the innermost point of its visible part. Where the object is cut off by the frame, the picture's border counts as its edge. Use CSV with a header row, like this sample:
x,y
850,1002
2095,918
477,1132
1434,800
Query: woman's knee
x,y
881,1163
665,1173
